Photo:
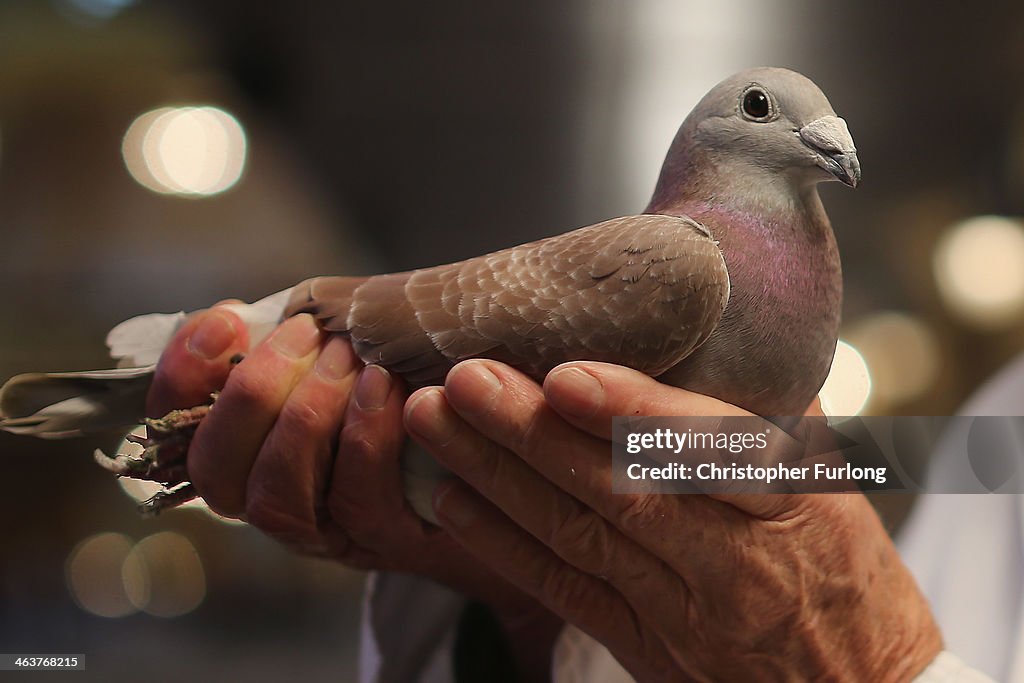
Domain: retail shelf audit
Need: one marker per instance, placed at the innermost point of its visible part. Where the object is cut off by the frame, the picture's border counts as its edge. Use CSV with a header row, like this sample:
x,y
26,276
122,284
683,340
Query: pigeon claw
x,y
167,500
163,458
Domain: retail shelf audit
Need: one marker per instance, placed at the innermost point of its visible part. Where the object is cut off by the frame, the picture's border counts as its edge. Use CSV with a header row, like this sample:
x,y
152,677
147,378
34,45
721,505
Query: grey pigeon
x,y
735,217
729,284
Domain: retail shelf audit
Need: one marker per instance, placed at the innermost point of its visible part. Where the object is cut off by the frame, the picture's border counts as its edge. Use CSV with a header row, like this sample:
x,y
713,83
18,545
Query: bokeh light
x,y
902,352
848,386
979,271
186,151
163,575
93,575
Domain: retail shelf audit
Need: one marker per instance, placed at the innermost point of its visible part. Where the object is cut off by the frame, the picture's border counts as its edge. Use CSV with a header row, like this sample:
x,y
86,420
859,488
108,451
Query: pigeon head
x,y
764,127
778,120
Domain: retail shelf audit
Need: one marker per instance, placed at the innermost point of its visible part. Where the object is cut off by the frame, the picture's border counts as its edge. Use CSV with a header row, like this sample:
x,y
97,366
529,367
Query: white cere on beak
x,y
829,134
830,138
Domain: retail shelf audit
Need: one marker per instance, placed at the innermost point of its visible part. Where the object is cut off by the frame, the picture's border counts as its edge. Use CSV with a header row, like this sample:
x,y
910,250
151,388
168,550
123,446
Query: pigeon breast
x,y
773,348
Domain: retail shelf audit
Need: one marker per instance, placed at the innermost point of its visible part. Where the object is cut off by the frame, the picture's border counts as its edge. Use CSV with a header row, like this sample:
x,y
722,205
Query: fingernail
x,y
475,387
451,508
430,418
373,388
574,392
296,337
212,336
336,361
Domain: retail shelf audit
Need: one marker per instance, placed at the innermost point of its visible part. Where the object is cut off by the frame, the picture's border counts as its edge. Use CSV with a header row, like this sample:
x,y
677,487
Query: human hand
x,y
285,449
684,587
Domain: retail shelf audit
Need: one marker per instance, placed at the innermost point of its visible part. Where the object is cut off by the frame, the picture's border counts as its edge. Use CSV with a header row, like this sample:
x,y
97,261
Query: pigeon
x,y
728,284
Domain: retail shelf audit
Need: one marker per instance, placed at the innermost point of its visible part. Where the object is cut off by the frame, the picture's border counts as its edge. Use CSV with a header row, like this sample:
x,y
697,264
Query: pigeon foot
x,y
163,458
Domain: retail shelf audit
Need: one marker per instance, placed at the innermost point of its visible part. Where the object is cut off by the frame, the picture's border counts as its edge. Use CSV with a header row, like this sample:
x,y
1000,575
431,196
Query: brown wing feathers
x,y
642,290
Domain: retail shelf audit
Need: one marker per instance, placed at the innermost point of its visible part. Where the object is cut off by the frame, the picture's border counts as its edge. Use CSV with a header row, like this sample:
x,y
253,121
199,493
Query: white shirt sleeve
x,y
948,668
578,658
967,550
408,630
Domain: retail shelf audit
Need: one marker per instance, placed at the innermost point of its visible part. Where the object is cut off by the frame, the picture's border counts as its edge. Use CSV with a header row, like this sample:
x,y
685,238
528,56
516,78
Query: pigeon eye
x,y
756,104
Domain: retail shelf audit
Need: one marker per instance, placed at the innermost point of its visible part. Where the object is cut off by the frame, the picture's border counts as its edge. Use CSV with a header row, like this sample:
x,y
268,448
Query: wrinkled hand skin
x,y
703,588
303,443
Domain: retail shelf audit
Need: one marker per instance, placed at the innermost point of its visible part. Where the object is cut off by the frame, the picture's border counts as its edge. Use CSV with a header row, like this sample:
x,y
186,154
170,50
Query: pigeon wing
x,y
642,291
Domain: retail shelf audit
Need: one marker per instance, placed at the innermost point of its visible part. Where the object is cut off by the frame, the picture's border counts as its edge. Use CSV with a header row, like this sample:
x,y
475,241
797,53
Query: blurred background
x,y
157,156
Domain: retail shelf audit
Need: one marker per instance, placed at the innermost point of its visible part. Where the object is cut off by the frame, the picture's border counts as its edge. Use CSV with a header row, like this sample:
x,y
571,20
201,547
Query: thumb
x,y
197,360
588,394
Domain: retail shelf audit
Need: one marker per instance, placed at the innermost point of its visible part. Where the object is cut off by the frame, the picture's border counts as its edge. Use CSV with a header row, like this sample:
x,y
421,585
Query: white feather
x,y
262,316
142,339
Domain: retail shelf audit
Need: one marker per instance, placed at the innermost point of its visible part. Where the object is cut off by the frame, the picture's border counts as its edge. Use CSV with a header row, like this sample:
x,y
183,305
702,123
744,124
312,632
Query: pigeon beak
x,y
833,146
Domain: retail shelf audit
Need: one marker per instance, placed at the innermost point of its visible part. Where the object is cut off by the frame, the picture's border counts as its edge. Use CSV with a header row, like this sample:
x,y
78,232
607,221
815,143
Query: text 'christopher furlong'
x,y
772,473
